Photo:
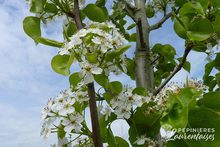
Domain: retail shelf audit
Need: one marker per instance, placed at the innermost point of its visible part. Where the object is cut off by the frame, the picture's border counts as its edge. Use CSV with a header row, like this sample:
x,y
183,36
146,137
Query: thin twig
x,y
130,9
176,69
91,89
159,23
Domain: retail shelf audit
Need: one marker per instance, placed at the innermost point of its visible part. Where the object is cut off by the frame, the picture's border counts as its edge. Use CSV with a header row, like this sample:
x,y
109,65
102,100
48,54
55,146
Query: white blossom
x,y
73,122
166,133
141,140
88,70
107,112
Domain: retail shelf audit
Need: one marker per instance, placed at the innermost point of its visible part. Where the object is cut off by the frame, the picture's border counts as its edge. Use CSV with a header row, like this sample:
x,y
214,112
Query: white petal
x,y
96,70
166,133
88,78
68,128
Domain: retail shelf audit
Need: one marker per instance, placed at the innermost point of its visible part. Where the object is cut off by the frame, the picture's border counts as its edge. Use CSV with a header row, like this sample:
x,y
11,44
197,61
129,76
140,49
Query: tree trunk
x,y
143,71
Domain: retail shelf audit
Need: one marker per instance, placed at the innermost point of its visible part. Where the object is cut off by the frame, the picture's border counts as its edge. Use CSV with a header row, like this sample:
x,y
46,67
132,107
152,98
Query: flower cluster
x,y
143,140
93,47
174,87
60,111
124,102
198,84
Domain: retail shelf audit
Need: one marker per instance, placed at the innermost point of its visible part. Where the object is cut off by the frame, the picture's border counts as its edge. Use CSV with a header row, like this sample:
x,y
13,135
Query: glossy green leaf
x,y
69,29
180,2
91,58
50,8
31,26
215,3
181,25
37,6
100,2
216,25
131,26
110,138
202,117
115,87
94,13
211,100
140,91
121,142
140,116
133,37
186,65
104,130
130,68
114,54
60,132
150,11
61,64
102,80
74,79
178,107
49,42
200,29
167,51
190,9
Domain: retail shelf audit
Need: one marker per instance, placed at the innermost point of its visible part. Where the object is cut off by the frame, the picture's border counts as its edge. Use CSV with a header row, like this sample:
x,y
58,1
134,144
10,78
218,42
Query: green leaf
x,y
100,2
121,142
175,143
114,54
150,11
131,26
211,100
180,2
200,29
60,132
140,91
50,8
140,116
102,80
190,9
49,42
178,107
133,37
61,64
167,51
110,138
69,29
94,13
31,26
216,25
74,79
130,68
104,126
91,57
181,25
215,3
37,6
186,66
133,134
202,117
115,87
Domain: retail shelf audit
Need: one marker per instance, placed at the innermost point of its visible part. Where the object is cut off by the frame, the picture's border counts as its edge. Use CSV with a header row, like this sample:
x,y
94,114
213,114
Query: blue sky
x,y
27,80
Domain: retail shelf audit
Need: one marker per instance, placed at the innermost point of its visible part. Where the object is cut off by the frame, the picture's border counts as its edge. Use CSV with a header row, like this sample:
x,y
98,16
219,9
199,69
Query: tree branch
x,y
176,69
159,24
91,89
130,9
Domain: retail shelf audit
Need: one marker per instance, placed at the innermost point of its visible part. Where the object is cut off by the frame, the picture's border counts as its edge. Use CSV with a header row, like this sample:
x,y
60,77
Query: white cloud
x,y
26,78
27,81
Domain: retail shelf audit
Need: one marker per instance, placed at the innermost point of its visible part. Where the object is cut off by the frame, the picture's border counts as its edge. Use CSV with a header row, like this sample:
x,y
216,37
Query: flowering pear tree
x,y
96,39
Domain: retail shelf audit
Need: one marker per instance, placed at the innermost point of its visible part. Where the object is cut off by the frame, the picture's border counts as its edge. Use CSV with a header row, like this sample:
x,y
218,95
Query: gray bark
x,y
144,70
